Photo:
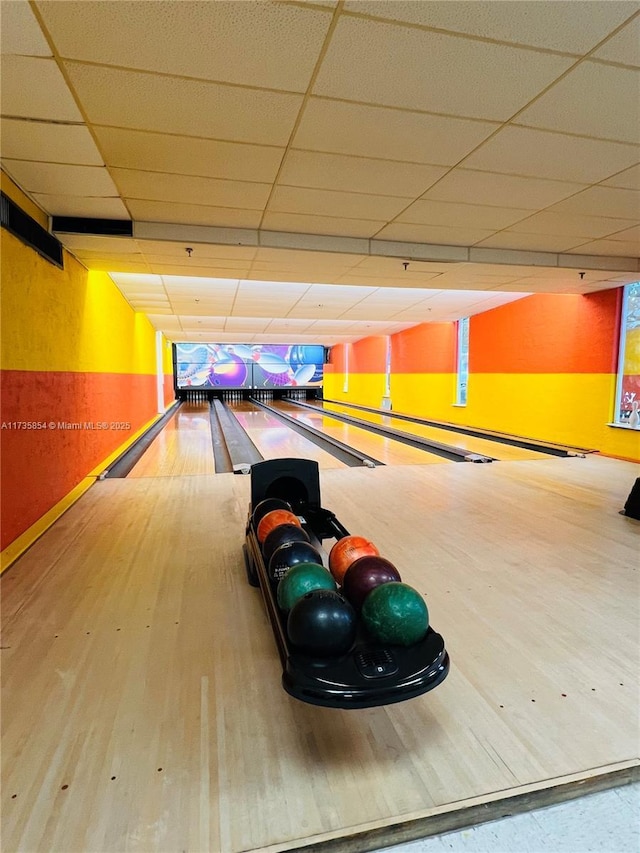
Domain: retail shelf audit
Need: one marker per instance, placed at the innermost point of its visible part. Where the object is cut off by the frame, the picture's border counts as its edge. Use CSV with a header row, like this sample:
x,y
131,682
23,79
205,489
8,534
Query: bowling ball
x,y
301,579
322,622
289,555
395,613
366,574
268,505
346,551
280,536
274,519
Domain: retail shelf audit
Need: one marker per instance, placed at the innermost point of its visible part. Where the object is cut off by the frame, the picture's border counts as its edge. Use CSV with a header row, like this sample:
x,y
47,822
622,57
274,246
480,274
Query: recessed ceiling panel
x,y
272,45
84,206
369,131
574,26
464,185
304,224
183,155
47,95
357,174
379,63
593,100
183,107
20,33
56,179
193,214
49,143
538,153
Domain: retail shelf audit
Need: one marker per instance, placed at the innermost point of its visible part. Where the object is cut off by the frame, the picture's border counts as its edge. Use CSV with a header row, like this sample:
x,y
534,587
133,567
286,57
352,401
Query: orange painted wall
x,y
542,367
548,333
427,348
73,351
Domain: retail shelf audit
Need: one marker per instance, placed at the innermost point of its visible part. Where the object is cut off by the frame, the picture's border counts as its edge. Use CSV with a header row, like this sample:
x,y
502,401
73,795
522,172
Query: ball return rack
x,y
371,673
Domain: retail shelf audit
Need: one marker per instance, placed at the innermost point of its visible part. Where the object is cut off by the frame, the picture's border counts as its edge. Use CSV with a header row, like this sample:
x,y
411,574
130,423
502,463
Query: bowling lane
x,y
468,442
275,440
377,446
182,448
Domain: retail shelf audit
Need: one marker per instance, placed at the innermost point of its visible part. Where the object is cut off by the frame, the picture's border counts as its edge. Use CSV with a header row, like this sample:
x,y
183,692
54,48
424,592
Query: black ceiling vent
x,y
22,226
102,227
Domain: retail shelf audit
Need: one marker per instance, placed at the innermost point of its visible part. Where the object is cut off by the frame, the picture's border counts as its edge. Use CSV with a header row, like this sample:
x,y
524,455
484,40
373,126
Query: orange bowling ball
x,y
346,551
274,519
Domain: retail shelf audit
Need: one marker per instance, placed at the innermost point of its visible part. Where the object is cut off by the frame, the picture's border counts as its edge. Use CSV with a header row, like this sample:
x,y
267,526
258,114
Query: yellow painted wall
x,y
71,319
367,389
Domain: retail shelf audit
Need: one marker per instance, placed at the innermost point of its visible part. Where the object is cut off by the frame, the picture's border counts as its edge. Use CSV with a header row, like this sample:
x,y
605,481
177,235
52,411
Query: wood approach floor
x,y
142,706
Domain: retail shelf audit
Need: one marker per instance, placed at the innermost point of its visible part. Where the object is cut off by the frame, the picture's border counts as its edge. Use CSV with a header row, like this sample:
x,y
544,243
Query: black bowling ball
x,y
290,554
265,506
282,535
322,623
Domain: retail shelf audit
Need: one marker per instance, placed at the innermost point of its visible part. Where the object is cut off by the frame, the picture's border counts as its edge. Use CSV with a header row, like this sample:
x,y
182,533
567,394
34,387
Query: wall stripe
x,y
548,333
427,348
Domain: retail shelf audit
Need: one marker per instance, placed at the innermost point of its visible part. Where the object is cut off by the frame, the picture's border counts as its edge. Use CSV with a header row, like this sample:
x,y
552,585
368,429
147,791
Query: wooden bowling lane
x,y
274,439
377,446
142,704
482,446
183,447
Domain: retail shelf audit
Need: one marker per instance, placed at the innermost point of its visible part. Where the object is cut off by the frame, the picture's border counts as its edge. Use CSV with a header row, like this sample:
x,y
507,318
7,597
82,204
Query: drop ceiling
x,y
308,151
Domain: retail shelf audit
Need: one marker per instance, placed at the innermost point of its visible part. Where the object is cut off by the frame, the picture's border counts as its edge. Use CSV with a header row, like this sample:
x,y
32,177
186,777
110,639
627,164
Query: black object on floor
x,y
370,673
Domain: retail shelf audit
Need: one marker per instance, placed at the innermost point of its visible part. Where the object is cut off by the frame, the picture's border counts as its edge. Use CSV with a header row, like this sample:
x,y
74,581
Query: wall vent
x,y
83,225
22,226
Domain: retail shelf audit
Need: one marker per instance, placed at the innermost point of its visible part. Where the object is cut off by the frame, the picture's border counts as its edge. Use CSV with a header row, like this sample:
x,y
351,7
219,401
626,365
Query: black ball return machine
x,y
370,674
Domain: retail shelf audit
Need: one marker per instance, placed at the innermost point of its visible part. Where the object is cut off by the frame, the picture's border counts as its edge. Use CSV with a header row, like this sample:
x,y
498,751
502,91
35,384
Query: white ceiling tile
x,y
96,243
333,203
49,142
153,186
193,214
47,95
531,242
593,100
369,131
615,248
624,47
357,174
500,190
290,257
389,282
183,269
304,224
569,224
183,107
380,63
449,214
538,153
93,208
626,234
126,281
574,26
200,250
434,234
272,45
629,179
210,283
21,33
117,266
231,267
56,179
602,201
183,155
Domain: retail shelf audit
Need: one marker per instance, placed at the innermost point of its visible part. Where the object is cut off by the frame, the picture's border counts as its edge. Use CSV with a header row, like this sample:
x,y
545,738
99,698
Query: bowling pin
x,y
634,417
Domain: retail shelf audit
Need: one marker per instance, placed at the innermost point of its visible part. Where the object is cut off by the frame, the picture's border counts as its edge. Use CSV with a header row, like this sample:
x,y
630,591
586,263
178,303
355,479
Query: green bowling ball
x,y
395,613
301,579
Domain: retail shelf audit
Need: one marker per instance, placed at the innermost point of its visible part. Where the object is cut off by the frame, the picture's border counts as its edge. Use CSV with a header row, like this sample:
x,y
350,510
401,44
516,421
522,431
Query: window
x,y
462,367
628,385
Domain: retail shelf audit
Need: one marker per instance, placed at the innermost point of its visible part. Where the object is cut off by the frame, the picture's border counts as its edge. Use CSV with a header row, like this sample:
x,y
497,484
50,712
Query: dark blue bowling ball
x,y
322,623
